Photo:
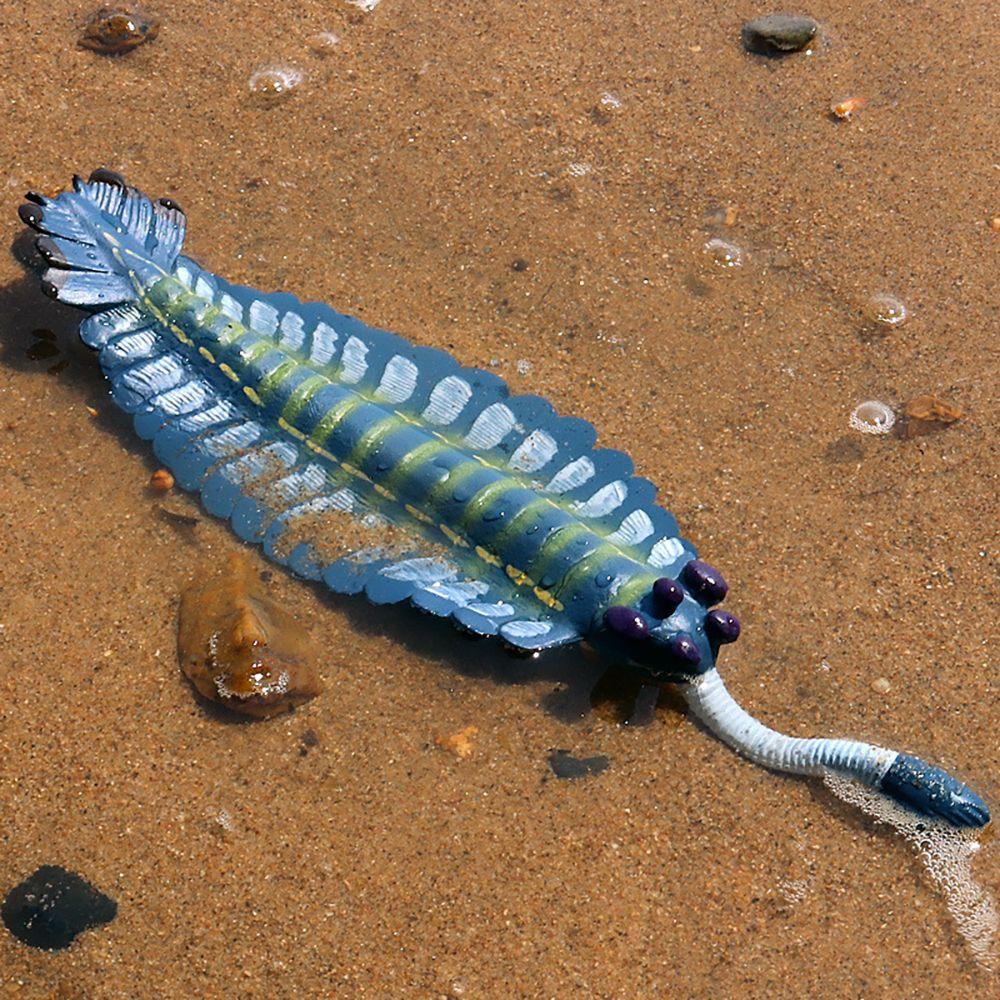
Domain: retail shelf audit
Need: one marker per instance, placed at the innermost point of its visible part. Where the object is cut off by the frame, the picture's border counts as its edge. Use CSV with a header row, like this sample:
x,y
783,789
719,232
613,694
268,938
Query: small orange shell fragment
x,y
459,743
161,481
844,110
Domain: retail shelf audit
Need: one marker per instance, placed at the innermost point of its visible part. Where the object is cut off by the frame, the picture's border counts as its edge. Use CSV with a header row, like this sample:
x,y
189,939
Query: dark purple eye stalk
x,y
630,625
667,596
721,627
626,622
705,582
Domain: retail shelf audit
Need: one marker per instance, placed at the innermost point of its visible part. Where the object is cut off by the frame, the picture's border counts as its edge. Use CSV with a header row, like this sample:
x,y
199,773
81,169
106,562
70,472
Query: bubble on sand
x,y
723,254
947,853
323,43
886,310
274,82
873,417
364,5
610,100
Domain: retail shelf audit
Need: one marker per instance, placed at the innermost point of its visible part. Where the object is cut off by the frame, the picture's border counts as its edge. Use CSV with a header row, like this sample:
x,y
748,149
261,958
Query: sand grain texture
x,y
597,147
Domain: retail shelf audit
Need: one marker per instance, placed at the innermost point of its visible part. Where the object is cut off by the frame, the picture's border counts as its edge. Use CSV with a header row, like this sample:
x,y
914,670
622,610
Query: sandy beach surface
x,y
530,186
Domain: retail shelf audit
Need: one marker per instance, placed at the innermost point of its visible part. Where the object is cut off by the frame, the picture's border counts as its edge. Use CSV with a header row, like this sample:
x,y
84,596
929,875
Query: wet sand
x,y
401,181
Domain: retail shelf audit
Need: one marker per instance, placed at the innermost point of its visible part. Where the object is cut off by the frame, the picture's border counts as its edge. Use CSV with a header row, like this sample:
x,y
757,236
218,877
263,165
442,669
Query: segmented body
x,y
449,459
296,423
286,416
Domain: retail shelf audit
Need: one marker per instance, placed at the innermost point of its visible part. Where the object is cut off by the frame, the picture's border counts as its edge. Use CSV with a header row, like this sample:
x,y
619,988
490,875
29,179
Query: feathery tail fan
x,y
101,238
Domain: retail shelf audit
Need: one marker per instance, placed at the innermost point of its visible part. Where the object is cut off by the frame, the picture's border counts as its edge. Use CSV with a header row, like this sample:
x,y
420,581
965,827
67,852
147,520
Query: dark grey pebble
x,y
51,906
565,765
776,34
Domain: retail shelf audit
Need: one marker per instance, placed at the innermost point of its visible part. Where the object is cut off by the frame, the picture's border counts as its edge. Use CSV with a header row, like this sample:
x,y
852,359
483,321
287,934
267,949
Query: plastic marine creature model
x,y
354,457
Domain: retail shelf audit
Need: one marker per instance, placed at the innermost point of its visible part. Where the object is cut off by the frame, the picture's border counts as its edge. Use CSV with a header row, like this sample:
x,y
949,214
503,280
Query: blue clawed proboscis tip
x,y
929,790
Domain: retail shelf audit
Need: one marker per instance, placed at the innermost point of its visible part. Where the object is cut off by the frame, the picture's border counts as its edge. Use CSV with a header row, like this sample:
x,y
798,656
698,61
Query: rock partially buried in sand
x,y
926,414
52,905
114,30
778,34
241,649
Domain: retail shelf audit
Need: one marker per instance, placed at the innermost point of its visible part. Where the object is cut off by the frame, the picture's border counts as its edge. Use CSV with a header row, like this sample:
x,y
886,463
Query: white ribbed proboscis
x,y
718,710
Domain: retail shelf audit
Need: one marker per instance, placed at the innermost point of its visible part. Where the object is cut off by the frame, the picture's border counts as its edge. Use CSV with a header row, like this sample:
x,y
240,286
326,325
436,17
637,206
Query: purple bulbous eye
x,y
682,648
721,626
706,582
667,596
626,622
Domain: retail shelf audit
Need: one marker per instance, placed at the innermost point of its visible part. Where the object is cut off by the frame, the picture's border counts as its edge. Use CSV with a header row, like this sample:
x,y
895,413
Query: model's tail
x,y
919,786
103,240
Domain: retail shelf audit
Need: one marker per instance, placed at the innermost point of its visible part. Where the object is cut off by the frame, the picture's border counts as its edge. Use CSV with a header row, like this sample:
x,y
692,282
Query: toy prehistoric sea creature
x,y
356,458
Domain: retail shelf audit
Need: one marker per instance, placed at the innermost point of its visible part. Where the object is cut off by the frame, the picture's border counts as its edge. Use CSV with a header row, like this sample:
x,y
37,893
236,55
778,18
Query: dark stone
x,y
565,765
171,204
519,265
778,34
49,908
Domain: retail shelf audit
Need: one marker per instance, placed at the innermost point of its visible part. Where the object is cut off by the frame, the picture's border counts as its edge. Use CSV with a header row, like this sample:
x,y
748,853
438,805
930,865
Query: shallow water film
x,y
618,207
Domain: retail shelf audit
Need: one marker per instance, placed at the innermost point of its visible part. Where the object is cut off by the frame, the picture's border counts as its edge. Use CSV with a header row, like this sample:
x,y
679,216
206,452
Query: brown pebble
x,y
881,685
926,414
161,481
459,743
240,648
112,30
995,223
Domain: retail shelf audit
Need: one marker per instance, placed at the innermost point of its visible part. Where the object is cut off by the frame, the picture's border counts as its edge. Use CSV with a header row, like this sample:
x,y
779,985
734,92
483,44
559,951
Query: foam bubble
x,y
947,854
873,417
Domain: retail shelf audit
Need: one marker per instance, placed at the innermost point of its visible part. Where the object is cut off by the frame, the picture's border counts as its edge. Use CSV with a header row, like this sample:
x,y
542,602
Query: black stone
x,y
49,908
170,203
565,765
778,34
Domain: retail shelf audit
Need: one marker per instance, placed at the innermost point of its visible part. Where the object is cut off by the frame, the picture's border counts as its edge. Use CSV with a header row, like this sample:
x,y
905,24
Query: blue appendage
x,y
933,792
